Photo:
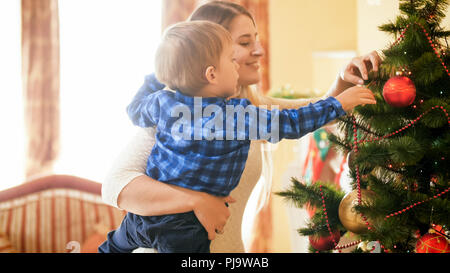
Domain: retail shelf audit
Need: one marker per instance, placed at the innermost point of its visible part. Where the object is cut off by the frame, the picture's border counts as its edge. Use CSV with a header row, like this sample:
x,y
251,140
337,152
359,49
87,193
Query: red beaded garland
x,y
402,129
329,228
416,204
326,217
359,201
348,245
358,178
331,233
430,41
355,148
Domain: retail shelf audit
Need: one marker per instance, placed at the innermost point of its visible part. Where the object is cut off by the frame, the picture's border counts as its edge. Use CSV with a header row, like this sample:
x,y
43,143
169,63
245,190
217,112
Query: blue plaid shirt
x,y
213,166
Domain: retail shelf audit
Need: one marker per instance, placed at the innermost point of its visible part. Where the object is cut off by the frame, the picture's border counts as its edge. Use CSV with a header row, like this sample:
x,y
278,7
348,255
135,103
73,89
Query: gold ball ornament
x,y
348,216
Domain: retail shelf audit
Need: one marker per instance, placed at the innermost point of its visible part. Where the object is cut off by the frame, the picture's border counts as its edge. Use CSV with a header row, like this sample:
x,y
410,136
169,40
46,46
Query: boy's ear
x,y
210,74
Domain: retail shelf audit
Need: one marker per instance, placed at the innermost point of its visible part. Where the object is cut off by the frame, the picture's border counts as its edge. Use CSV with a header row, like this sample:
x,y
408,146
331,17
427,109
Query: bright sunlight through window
x,y
11,107
107,47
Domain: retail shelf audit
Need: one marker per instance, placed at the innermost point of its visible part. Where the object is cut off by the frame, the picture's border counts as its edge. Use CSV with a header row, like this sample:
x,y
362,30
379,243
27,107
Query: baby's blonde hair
x,y
186,50
223,13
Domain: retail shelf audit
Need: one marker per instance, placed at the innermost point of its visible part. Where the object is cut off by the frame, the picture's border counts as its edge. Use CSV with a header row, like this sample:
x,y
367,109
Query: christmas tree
x,y
398,151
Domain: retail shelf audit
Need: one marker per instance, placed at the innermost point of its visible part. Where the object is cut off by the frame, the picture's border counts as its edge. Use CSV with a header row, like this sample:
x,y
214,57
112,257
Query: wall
x,y
297,29
300,27
373,13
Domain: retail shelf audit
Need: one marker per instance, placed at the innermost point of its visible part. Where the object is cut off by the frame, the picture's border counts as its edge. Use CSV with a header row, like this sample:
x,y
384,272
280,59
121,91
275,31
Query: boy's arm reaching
x,y
295,123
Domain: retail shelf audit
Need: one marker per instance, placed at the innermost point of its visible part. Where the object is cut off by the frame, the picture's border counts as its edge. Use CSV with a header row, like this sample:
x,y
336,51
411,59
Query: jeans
x,y
172,233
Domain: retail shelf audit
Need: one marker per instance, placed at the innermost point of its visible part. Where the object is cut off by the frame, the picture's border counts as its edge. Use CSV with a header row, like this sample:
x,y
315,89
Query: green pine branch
x,y
411,166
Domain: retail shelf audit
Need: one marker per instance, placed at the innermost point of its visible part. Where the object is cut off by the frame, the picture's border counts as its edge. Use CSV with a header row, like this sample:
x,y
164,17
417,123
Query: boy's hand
x,y
355,96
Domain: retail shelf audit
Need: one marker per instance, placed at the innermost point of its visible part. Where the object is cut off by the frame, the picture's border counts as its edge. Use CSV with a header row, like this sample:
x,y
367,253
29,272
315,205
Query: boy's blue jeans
x,y
172,233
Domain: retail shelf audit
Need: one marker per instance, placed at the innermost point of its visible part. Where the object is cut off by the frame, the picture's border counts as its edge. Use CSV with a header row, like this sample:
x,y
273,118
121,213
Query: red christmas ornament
x,y
399,91
432,243
326,242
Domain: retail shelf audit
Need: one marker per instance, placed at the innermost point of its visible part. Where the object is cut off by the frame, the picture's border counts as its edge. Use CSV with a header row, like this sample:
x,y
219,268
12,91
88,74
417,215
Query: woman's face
x,y
248,50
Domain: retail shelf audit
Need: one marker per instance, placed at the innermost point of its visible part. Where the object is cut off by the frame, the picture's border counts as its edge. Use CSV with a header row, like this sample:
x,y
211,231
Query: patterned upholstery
x,y
45,214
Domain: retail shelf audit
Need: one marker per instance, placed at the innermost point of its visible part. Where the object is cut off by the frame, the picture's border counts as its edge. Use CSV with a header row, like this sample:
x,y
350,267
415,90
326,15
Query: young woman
x,y
127,187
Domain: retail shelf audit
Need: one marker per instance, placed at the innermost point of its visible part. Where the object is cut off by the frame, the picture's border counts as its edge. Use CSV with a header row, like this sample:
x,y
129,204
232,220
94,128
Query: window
x,y
11,107
107,47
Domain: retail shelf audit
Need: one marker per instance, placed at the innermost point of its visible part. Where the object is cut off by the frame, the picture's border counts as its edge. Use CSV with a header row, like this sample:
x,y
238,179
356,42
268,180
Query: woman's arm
x,y
142,198
337,88
287,103
127,187
128,165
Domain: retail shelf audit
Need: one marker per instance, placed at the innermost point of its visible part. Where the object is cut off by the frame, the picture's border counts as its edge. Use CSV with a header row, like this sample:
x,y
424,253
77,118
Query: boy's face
x,y
228,72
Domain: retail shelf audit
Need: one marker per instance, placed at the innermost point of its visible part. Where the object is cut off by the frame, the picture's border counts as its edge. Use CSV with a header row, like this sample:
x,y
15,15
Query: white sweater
x,y
132,162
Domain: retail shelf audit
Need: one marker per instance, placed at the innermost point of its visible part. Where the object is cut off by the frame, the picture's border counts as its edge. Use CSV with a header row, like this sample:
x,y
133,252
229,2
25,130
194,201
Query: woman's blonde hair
x,y
186,50
220,12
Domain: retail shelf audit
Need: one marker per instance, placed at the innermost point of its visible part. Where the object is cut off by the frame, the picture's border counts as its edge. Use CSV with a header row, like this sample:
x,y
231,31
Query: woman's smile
x,y
254,65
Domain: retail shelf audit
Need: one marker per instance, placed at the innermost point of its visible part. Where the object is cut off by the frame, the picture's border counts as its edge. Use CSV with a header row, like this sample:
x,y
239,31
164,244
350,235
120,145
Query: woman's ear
x,y
210,74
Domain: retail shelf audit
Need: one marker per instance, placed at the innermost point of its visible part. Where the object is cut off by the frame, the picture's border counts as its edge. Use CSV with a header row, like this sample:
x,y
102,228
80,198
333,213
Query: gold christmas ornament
x,y
348,216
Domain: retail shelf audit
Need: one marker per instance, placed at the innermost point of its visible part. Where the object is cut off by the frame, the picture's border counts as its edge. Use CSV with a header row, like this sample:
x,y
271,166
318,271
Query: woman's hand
x,y
212,212
357,71
354,73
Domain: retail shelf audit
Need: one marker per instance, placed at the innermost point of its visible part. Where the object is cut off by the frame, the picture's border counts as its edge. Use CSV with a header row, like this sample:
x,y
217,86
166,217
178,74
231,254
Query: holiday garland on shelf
x,y
397,150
